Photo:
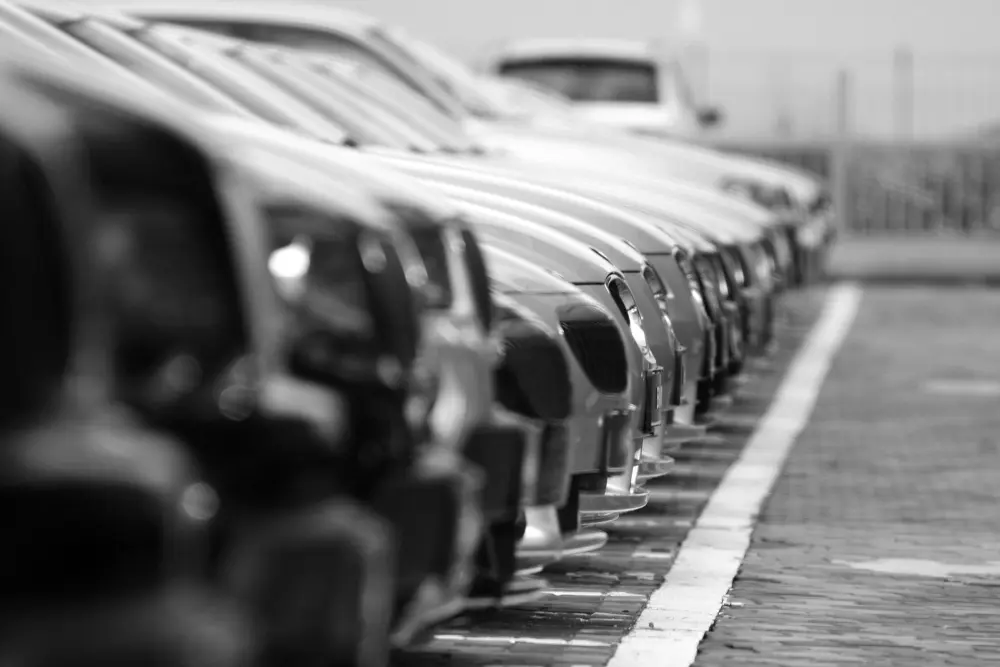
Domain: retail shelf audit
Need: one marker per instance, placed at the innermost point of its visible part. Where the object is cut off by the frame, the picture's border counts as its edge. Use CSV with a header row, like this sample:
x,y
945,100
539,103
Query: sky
x,y
815,25
788,51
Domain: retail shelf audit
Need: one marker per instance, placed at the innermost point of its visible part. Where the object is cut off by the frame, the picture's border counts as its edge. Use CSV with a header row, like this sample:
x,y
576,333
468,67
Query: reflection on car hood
x,y
574,261
344,164
572,161
511,274
617,250
278,176
669,157
636,211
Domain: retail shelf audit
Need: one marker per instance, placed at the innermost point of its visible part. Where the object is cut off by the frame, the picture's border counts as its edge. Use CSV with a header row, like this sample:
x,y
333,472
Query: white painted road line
x,y
671,627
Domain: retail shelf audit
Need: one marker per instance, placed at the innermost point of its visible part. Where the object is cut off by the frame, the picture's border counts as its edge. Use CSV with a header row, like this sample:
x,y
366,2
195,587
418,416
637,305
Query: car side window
x,y
221,27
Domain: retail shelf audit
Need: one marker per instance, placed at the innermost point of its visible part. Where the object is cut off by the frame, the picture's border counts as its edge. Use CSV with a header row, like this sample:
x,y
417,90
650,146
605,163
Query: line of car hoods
x,y
407,349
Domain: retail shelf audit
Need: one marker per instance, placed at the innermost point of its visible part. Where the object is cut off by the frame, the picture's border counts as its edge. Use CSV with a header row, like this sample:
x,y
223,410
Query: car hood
x,y
565,257
669,157
342,164
573,161
637,212
277,176
511,274
617,250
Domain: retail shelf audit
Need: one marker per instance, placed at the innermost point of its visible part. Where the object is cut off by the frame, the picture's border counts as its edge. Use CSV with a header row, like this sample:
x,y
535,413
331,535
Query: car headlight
x,y
693,283
782,246
625,301
326,272
719,275
428,238
479,280
738,188
733,260
764,266
771,197
319,269
706,275
813,232
821,203
660,291
662,295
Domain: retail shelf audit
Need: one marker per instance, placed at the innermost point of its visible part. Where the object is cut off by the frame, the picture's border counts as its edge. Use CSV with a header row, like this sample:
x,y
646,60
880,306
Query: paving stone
x,y
882,471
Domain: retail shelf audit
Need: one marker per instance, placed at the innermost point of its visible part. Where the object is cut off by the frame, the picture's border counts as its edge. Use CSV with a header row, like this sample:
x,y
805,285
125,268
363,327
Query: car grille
x,y
552,469
532,378
597,345
651,413
435,255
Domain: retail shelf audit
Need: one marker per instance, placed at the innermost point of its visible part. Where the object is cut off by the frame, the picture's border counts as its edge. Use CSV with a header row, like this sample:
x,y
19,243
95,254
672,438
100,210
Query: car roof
x,y
539,49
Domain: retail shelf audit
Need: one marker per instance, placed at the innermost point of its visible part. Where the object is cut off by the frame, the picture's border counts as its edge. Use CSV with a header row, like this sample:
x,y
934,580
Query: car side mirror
x,y
709,116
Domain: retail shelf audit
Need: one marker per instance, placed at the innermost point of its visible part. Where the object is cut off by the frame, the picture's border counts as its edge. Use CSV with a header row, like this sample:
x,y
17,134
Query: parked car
x,y
595,341
105,519
623,83
615,490
530,101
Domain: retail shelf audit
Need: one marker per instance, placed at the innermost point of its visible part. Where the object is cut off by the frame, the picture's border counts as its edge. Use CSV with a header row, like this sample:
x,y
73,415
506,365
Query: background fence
x,y
911,144
896,188
898,94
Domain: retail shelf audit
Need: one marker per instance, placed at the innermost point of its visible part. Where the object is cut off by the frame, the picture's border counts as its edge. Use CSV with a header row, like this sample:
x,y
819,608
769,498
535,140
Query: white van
x,y
623,83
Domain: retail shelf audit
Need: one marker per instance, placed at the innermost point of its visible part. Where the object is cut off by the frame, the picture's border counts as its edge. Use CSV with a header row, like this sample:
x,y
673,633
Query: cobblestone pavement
x,y
881,542
595,599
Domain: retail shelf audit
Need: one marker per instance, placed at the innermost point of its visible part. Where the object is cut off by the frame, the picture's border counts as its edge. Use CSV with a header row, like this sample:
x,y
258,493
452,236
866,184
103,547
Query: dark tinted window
x,y
593,80
299,38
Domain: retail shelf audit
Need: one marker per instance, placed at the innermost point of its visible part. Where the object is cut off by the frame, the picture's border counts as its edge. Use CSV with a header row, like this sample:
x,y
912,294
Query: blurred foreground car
x,y
459,304
105,520
206,379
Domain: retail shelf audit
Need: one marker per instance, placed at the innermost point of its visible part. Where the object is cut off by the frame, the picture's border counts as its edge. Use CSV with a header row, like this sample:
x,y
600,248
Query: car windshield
x,y
251,90
395,64
591,79
152,67
320,97
448,72
396,98
530,99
